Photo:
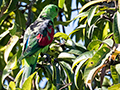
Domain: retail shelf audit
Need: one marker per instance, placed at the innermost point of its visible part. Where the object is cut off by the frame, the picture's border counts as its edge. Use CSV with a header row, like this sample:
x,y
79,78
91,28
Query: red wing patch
x,y
43,41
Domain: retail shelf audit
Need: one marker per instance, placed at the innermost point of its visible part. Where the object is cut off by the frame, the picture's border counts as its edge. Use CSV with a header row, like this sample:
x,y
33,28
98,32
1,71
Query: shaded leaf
x,y
115,76
116,27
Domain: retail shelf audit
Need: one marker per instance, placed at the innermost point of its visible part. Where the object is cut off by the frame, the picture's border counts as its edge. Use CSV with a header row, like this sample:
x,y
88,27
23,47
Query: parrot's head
x,y
50,11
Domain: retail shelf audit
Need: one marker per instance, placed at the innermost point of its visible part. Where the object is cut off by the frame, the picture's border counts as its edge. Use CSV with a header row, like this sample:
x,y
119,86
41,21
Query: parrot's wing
x,y
38,34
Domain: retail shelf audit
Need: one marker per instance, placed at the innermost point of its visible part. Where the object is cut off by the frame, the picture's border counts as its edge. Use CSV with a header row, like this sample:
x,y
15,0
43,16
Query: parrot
x,y
37,36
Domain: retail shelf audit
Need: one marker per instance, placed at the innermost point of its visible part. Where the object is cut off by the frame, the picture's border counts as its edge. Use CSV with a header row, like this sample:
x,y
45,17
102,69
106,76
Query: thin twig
x,y
68,84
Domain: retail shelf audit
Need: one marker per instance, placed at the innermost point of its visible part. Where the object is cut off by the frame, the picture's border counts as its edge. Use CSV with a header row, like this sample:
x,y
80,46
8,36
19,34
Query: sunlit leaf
x,y
28,82
11,65
91,14
78,75
94,43
114,87
13,40
66,55
12,85
105,31
83,57
63,35
95,64
4,34
91,3
61,3
117,68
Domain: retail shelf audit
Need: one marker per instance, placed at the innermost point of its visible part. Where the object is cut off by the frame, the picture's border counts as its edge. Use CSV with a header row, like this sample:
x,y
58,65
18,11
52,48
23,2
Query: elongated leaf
x,y
13,40
115,75
91,14
116,27
91,30
67,68
4,34
78,76
11,65
63,35
105,31
12,86
11,30
117,68
82,57
94,43
67,22
95,64
66,55
61,3
28,82
114,87
90,3
20,19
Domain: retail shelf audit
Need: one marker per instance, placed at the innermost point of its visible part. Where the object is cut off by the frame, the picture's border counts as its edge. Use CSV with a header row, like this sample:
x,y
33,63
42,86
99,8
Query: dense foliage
x,y
67,64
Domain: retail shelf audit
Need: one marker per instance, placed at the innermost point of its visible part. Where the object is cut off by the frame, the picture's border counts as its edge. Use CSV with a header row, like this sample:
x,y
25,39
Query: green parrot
x,y
38,35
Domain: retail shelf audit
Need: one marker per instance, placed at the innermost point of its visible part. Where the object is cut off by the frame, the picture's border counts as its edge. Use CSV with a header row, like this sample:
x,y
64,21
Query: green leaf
x,y
76,52
61,3
95,64
83,57
67,69
11,65
117,68
66,55
105,31
27,84
67,22
12,85
91,3
63,35
91,14
94,43
114,87
13,40
116,27
91,30
1,3
115,75
20,19
4,34
11,7
78,76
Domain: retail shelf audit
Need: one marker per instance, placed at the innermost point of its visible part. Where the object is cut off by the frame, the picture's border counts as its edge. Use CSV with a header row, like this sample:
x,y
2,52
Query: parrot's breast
x,y
43,41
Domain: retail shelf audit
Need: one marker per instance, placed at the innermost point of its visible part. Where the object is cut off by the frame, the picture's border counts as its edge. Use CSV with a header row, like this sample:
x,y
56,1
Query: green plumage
x,y
37,36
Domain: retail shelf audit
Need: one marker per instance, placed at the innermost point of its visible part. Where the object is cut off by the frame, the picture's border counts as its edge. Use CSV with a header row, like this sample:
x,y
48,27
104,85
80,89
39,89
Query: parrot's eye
x,y
56,9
